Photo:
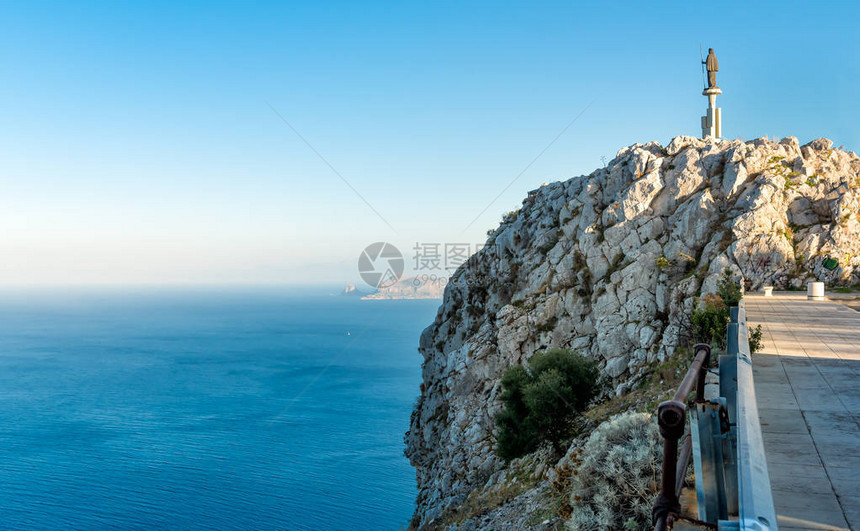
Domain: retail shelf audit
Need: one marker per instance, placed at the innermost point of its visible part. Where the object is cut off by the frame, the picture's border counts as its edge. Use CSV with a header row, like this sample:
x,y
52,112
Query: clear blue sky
x,y
138,144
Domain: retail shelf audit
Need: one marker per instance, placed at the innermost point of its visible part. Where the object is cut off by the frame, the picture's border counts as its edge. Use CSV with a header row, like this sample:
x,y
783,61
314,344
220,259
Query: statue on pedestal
x,y
713,67
712,126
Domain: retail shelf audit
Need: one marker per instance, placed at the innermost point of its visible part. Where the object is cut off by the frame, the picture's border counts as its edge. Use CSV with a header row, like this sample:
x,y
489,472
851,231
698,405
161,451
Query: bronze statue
x,y
713,67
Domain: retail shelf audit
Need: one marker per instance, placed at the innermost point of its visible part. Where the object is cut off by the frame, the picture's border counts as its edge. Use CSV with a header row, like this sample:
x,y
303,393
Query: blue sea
x,y
208,408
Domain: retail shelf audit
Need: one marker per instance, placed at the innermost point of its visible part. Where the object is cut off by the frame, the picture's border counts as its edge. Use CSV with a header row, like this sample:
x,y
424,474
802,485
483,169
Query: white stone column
x,y
712,126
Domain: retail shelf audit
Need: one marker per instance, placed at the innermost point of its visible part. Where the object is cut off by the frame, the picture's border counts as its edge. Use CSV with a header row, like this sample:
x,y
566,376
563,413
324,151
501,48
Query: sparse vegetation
x,y
543,400
846,289
755,339
549,243
688,263
579,262
615,265
480,501
613,484
711,314
510,217
657,383
728,289
586,288
709,320
548,326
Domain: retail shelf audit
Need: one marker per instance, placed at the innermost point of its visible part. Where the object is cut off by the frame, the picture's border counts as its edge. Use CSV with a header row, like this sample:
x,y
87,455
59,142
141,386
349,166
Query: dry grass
x,y
656,385
482,501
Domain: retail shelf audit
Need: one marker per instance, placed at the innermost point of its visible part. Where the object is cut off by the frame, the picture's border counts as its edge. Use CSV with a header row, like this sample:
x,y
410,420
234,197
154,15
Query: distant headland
x,y
405,288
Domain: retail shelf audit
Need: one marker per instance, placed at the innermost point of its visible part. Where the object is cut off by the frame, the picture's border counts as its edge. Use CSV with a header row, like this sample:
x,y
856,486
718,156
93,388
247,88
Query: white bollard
x,y
768,291
815,291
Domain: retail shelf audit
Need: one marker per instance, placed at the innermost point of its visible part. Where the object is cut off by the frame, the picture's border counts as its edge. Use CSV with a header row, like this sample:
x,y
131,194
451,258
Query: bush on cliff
x,y
614,481
709,320
711,314
543,400
729,290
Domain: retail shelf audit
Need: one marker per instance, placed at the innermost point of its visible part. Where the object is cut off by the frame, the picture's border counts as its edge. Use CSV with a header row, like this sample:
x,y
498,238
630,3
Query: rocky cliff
x,y
609,264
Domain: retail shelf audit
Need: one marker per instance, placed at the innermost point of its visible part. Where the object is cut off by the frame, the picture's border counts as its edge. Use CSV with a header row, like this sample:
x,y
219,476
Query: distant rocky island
x,y
405,288
351,291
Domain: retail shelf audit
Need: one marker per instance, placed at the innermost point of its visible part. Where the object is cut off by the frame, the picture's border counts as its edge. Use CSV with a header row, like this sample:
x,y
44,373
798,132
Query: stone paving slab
x,y
807,380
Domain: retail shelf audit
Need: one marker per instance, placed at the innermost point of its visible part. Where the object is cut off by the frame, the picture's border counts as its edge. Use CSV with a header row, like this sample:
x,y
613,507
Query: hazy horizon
x,y
269,143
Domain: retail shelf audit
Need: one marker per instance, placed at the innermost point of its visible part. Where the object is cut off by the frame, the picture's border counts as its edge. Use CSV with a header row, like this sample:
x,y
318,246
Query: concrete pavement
x,y
807,381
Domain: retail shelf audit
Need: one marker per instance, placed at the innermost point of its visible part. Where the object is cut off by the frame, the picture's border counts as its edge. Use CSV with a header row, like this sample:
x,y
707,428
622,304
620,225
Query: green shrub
x,y
614,483
755,339
543,401
580,373
728,289
709,320
547,404
711,313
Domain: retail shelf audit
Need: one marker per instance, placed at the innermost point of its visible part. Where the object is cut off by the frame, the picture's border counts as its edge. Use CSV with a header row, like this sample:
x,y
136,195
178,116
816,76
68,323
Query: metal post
x,y
671,416
705,426
729,391
683,462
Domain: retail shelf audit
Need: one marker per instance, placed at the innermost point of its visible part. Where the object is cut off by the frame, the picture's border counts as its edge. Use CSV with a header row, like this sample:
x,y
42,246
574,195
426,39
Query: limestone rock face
x,y
609,264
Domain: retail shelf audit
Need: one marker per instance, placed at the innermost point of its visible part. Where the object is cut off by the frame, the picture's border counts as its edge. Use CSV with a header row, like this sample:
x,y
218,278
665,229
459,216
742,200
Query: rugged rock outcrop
x,y
351,291
609,264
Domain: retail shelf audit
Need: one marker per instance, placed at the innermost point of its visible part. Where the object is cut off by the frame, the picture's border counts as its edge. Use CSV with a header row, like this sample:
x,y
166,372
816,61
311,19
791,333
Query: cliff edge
x,y
609,264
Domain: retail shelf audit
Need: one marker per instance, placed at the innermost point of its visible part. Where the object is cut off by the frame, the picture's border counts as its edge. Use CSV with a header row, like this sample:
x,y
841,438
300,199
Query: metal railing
x,y
725,442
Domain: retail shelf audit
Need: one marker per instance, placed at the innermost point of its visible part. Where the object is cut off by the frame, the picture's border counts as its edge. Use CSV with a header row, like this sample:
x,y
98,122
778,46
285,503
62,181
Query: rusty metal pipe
x,y
683,462
667,490
671,417
700,381
694,376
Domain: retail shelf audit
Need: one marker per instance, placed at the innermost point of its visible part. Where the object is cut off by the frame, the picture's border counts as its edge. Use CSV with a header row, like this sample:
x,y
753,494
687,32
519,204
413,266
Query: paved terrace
x,y
807,381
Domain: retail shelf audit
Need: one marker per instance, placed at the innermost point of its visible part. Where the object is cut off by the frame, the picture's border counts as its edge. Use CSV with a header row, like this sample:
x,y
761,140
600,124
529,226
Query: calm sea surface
x,y
221,408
